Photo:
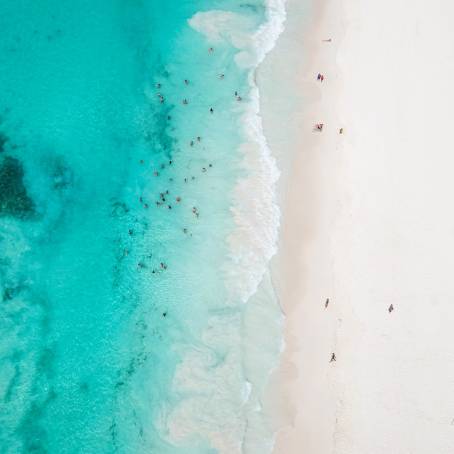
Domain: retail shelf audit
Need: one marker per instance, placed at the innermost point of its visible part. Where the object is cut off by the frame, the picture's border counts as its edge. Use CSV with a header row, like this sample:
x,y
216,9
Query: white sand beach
x,y
368,222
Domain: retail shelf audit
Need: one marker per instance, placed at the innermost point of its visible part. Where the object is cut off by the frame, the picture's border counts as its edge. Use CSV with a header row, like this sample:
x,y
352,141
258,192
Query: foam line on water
x,y
224,406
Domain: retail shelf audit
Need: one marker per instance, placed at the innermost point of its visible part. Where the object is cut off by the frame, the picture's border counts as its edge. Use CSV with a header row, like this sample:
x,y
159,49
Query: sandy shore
x,y
368,223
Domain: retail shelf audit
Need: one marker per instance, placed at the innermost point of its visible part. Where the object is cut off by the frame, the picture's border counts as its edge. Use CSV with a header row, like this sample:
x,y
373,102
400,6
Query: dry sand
x,y
368,221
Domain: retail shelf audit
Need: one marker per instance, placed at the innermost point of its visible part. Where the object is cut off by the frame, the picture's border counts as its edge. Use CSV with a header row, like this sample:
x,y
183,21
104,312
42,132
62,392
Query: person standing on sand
x,y
333,357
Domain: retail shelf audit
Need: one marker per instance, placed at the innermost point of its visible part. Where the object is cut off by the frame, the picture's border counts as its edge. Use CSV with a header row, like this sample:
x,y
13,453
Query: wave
x,y
232,422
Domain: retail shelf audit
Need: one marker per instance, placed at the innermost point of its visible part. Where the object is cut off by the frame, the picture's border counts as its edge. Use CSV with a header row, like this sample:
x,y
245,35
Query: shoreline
x,y
301,268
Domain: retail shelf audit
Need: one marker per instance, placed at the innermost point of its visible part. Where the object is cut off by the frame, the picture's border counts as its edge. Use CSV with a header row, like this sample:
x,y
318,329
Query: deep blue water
x,y
113,217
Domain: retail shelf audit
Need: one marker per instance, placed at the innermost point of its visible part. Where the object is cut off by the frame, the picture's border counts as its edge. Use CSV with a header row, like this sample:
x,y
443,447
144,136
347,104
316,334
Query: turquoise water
x,y
114,219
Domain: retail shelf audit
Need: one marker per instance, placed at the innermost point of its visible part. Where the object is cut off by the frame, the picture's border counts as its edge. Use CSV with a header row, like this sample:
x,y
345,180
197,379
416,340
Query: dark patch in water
x,y
119,209
10,292
45,362
12,385
84,387
62,176
250,6
14,200
3,142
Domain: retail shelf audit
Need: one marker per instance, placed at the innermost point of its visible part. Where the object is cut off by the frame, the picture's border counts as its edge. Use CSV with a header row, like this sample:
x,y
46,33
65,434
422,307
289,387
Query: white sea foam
x,y
223,26
224,394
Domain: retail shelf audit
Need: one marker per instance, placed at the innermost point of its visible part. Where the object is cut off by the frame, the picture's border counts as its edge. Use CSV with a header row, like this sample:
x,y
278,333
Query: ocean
x,y
137,220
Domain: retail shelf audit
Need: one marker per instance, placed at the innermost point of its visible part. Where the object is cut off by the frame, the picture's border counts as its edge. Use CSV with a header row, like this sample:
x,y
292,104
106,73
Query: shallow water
x,y
119,330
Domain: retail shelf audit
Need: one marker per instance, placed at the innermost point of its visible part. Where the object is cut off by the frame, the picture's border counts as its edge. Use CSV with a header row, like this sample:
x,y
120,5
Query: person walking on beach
x,y
390,308
326,303
333,357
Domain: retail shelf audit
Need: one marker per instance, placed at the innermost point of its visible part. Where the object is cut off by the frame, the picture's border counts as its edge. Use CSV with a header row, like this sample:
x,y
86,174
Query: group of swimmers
x,y
165,200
